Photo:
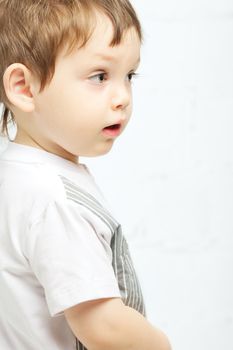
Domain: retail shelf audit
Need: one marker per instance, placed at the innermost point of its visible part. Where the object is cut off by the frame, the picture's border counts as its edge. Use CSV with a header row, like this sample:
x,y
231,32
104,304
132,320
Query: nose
x,y
121,97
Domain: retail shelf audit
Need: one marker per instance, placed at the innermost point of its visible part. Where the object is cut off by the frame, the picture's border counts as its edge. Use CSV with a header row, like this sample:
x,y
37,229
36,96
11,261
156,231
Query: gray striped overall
x,y
121,260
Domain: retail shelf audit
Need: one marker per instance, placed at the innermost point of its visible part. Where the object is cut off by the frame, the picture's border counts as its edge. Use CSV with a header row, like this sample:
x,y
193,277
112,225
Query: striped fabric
x,y
122,263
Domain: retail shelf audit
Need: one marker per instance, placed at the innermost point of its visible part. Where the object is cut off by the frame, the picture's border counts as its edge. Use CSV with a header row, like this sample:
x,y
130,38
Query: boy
x,y
66,277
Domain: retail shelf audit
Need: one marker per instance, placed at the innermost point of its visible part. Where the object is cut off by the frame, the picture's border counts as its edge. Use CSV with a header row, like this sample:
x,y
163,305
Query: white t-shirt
x,y
53,253
56,249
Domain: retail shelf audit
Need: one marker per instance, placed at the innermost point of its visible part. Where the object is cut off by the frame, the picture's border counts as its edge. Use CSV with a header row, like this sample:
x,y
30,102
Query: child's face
x,y
90,90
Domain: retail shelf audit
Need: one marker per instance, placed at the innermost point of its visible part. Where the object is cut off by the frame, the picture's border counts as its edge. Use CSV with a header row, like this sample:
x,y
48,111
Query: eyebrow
x,y
111,58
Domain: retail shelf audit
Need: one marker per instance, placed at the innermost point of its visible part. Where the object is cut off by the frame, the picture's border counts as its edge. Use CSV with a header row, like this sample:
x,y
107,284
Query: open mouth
x,y
112,130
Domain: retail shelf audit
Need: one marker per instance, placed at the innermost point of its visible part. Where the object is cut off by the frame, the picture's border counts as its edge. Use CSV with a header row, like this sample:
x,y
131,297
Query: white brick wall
x,y
169,178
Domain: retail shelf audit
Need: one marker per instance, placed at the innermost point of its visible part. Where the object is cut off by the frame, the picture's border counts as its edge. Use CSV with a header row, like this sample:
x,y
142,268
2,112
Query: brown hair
x,y
33,32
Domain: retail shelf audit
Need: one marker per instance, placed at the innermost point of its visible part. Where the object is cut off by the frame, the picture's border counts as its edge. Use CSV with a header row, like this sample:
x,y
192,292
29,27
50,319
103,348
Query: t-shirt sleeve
x,y
68,258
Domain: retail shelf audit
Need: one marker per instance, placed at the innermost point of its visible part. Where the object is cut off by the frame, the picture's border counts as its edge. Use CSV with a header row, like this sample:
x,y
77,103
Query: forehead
x,y
98,45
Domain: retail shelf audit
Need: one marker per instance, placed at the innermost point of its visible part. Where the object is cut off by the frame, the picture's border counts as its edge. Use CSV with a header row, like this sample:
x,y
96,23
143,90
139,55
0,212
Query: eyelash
x,y
131,75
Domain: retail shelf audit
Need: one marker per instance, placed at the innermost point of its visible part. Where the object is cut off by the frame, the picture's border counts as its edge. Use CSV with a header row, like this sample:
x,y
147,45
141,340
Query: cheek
x,y
82,95
89,103
129,111
72,104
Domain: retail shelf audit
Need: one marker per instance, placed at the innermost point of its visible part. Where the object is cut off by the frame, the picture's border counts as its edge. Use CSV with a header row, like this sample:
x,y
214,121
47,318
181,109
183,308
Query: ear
x,y
17,80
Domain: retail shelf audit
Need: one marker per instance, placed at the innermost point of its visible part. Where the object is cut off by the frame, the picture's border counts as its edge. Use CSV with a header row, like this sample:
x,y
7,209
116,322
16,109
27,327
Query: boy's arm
x,y
107,324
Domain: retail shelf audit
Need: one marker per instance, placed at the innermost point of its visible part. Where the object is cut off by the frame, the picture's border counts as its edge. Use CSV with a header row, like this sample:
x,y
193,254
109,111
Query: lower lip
x,y
112,132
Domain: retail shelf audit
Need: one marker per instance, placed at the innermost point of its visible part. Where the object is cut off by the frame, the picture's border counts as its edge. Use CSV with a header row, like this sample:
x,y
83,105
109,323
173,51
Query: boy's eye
x,y
98,78
131,76
102,77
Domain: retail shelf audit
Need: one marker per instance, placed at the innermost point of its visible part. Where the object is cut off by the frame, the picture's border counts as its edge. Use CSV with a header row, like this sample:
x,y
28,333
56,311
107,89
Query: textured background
x,y
169,177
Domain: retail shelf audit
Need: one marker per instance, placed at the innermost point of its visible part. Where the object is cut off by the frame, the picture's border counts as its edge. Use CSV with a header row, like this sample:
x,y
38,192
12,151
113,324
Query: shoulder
x,y
29,186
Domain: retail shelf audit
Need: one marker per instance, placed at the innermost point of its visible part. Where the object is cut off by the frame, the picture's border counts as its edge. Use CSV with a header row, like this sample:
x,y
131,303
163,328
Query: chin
x,y
100,151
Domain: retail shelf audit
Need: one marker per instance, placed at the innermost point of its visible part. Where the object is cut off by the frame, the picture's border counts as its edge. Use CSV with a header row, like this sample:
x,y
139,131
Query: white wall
x,y
169,177
174,167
